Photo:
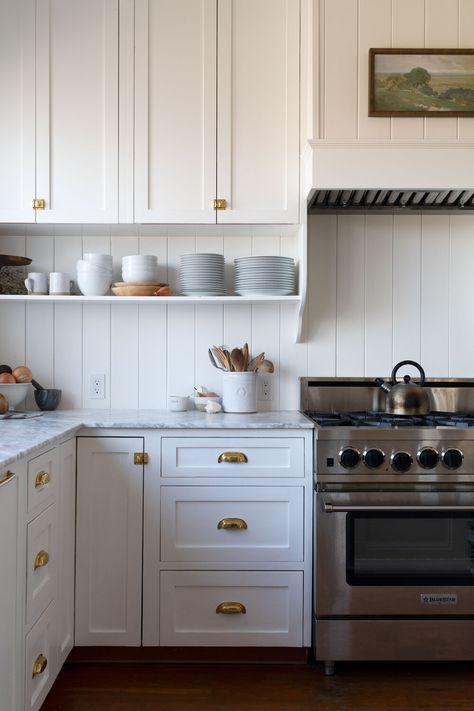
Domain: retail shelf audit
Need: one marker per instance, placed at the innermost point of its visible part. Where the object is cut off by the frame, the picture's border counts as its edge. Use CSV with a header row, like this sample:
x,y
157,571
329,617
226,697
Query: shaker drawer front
x,y
240,608
42,481
41,564
226,523
233,457
40,661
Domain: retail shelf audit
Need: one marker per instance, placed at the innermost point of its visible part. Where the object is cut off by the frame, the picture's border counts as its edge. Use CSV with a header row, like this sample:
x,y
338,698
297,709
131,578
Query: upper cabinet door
x,y
258,111
77,110
17,114
175,110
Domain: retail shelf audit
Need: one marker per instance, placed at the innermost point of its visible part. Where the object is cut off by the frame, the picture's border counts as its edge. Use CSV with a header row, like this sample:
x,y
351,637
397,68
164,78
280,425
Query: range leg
x,y
329,668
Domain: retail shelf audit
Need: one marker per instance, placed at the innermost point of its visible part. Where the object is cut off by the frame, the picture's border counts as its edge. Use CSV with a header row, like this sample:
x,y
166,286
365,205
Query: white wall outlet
x,y
265,387
97,386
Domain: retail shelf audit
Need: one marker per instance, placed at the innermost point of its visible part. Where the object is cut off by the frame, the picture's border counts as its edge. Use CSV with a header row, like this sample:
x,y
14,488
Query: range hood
x,y
393,176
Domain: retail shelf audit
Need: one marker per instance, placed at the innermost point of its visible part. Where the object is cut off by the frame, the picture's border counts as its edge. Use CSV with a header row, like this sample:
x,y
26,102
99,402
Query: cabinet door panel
x,y
41,570
108,541
77,110
66,549
258,110
17,116
175,110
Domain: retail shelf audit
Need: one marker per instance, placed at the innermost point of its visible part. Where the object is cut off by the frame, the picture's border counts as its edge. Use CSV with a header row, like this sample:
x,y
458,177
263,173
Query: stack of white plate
x,y
202,274
139,268
265,275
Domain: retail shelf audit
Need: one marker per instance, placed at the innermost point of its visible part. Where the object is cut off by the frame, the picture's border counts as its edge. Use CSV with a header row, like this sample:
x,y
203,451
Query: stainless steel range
x,y
394,508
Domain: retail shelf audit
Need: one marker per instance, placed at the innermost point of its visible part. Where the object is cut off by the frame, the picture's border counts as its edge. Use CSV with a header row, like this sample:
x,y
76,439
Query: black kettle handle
x,y
408,362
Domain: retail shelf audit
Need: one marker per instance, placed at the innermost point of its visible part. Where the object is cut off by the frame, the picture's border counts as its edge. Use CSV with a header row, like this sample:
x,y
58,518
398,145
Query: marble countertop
x,y
19,438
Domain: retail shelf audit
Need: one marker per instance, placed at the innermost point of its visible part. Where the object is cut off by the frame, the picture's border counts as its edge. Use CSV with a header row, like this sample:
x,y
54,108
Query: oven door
x,y
403,553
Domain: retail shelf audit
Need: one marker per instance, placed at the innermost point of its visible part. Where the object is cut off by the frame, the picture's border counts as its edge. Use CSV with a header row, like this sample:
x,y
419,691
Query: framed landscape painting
x,y
421,82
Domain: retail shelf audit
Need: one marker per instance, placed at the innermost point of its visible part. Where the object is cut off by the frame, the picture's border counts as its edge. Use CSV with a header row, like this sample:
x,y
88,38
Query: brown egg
x,y
22,374
3,404
7,378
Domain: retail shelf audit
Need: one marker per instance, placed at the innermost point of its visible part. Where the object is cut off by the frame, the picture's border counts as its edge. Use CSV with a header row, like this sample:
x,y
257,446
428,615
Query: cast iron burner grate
x,y
371,418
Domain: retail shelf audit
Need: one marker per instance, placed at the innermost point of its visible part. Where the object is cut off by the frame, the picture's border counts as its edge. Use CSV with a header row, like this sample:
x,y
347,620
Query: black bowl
x,y
48,398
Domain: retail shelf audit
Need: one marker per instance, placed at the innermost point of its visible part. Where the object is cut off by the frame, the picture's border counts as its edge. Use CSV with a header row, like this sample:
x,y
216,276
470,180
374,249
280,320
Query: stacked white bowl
x,y
140,268
94,274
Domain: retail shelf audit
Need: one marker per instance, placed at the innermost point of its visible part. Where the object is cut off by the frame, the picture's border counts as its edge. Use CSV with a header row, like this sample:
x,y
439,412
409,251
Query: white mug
x,y
177,403
37,283
59,283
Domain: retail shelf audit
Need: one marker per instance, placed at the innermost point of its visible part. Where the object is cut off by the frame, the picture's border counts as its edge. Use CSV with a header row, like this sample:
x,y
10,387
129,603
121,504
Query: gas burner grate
x,y
370,418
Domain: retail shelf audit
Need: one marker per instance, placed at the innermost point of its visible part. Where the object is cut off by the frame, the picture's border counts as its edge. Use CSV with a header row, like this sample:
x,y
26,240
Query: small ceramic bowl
x,y
48,398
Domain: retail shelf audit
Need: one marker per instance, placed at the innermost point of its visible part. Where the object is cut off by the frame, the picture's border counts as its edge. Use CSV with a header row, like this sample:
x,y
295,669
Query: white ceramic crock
x,y
239,392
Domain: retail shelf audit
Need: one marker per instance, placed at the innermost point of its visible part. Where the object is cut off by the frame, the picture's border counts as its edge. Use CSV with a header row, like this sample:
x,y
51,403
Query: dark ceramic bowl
x,y
48,398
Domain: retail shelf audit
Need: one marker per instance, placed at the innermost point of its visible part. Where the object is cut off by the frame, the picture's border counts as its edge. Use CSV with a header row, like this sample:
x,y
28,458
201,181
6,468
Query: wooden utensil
x,y
245,353
214,361
237,359
266,367
220,357
256,362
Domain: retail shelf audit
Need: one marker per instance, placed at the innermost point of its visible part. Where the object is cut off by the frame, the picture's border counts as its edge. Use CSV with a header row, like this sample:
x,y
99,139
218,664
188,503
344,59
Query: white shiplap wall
x,y
382,288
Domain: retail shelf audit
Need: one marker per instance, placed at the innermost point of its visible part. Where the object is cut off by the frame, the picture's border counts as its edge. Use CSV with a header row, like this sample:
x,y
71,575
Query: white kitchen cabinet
x,y
9,651
41,564
59,119
40,660
109,541
66,549
225,129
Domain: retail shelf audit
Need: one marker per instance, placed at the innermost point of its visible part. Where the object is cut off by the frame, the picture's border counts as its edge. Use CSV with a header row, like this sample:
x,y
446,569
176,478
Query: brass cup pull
x,y
231,608
39,665
220,204
232,458
42,478
232,523
8,477
41,559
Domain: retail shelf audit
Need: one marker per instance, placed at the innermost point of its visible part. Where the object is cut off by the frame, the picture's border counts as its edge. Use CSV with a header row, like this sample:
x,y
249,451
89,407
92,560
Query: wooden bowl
x,y
146,288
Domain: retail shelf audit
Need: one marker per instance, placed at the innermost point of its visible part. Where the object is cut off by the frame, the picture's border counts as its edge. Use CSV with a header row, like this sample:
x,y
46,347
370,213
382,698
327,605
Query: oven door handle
x,y
329,507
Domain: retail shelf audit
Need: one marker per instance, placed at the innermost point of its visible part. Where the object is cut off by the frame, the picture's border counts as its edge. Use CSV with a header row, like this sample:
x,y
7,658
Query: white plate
x,y
268,292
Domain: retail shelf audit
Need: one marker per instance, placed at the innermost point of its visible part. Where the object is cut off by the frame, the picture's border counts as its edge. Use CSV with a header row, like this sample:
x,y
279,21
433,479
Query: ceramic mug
x,y
37,283
178,403
60,284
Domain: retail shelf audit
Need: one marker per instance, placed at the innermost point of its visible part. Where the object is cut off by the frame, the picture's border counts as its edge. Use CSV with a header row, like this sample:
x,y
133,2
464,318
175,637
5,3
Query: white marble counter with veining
x,y
19,438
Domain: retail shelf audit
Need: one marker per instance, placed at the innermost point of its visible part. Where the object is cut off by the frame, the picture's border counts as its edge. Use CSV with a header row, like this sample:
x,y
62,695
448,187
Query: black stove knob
x,y
349,457
401,461
428,457
374,458
452,458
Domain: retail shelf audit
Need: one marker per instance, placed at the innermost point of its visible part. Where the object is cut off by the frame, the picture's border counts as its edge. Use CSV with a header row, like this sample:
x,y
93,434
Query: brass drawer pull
x,y
232,458
230,523
231,608
42,478
8,477
38,204
39,665
41,559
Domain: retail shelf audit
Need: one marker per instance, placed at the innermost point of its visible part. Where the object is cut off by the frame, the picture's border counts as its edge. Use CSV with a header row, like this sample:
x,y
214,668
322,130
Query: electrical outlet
x,y
97,386
265,387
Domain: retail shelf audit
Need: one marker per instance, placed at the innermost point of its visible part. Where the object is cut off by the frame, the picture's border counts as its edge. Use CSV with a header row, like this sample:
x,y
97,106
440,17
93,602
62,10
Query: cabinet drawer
x,y
266,611
233,457
41,564
42,481
40,662
227,523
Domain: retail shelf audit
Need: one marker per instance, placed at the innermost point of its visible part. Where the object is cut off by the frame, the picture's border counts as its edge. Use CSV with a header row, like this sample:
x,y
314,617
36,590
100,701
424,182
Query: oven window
x,y
410,548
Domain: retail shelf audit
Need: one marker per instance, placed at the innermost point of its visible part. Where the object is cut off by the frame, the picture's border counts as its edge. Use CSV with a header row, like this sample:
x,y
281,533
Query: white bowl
x,y
140,259
139,275
201,402
14,392
91,268
99,259
93,285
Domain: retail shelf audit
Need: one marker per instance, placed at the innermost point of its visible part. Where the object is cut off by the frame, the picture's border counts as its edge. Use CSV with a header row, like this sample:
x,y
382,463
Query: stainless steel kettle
x,y
407,397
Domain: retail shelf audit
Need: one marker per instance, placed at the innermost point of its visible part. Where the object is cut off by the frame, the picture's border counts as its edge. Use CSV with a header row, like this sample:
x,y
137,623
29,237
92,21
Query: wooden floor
x,y
266,687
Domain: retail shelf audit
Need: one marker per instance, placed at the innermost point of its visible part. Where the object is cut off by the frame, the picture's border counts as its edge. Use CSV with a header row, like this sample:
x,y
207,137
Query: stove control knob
x,y
428,457
452,458
349,457
401,461
373,458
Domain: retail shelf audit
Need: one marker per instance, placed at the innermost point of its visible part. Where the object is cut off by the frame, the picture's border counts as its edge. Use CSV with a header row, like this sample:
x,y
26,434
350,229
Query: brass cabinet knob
x,y
42,478
232,523
42,559
39,665
38,204
232,458
231,608
141,458
220,204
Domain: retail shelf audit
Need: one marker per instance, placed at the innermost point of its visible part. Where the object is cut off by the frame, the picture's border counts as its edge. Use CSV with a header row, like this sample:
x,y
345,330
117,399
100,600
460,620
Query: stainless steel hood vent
x,y
390,200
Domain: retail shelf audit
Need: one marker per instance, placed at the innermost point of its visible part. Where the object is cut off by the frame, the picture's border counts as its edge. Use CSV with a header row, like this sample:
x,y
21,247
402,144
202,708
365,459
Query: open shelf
x,y
52,299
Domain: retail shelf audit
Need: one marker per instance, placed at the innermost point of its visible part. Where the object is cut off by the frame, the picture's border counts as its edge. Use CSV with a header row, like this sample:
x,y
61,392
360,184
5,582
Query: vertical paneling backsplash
x,y
382,288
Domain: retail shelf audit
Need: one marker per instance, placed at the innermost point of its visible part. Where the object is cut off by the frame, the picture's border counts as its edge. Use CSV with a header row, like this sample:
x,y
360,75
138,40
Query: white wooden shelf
x,y
52,299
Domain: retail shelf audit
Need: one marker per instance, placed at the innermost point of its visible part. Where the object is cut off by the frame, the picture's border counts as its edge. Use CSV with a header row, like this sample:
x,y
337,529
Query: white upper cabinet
x,y
258,111
216,110
175,110
77,110
17,115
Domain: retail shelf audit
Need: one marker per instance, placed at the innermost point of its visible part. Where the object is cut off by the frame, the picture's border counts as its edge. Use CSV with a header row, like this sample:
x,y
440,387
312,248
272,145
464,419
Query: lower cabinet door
x,y
66,549
238,608
40,660
41,564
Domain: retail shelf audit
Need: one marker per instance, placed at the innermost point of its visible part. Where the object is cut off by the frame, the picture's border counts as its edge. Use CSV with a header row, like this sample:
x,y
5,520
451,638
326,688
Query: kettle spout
x,y
386,387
